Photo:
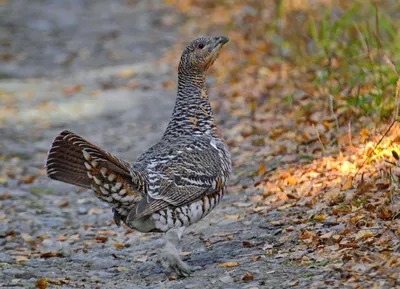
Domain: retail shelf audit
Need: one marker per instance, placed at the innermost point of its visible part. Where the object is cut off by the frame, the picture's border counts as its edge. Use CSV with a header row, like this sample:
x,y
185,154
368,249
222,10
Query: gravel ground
x,y
56,231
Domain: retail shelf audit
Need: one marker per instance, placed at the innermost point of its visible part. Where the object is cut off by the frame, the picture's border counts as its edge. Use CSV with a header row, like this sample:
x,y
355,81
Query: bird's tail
x,y
74,160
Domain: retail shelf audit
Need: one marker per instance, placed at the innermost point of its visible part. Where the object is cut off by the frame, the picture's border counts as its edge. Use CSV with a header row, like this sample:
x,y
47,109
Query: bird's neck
x,y
192,113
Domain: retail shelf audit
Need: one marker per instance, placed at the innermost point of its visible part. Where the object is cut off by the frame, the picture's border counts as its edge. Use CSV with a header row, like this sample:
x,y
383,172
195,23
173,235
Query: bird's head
x,y
200,54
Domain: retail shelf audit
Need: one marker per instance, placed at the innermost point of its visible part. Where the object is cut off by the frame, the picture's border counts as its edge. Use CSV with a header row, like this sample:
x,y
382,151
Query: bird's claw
x,y
172,262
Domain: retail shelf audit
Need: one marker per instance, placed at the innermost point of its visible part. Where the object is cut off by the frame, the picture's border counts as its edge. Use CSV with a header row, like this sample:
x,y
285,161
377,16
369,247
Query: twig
x,y
333,112
396,102
378,143
350,142
316,131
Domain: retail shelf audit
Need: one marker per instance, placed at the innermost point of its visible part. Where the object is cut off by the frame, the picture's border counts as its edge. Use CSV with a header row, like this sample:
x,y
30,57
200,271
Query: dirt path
x,y
56,231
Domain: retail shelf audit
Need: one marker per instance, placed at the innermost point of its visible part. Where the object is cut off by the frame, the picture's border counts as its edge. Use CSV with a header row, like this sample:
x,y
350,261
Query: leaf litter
x,y
336,173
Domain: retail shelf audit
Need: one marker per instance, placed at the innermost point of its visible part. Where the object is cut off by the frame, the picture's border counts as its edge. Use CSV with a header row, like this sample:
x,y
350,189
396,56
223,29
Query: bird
x,y
177,181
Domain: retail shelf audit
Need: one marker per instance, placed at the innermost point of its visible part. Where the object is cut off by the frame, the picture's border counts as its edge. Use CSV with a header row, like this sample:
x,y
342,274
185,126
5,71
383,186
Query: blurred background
x,y
303,92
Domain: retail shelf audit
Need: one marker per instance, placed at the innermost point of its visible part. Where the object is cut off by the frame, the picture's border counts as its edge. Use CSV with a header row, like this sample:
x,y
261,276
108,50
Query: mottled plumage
x,y
176,182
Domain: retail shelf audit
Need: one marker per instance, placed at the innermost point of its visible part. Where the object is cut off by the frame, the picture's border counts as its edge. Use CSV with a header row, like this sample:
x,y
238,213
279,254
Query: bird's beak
x,y
221,40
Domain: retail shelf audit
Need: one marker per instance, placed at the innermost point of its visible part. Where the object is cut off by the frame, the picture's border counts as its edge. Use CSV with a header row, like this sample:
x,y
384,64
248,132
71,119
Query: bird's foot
x,y
171,261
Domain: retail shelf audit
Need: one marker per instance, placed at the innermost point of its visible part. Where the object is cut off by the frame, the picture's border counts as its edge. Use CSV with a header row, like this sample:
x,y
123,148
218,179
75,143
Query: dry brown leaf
x,y
261,169
51,255
27,238
101,239
61,238
107,232
320,218
363,234
247,277
95,211
74,237
21,259
71,90
119,245
327,235
63,204
28,179
348,184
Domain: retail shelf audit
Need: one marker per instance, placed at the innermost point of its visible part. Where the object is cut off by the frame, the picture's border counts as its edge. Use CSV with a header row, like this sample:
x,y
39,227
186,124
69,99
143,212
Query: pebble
x,y
82,210
11,245
103,263
18,273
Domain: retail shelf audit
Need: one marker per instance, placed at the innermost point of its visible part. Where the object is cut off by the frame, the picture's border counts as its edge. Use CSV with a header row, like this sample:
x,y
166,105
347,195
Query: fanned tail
x,y
74,160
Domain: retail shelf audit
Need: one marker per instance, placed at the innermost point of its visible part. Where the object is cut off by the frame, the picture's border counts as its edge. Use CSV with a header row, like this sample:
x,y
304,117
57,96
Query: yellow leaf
x,y
118,245
232,217
122,269
106,232
261,169
125,73
41,283
229,264
320,218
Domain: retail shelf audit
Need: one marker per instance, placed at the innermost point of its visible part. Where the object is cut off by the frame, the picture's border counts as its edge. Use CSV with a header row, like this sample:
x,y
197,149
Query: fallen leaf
x,y
122,269
61,238
95,211
141,259
125,73
107,232
363,234
41,283
28,179
101,239
320,218
71,90
119,245
247,277
51,255
348,184
21,259
232,217
27,238
74,237
63,204
261,169
229,264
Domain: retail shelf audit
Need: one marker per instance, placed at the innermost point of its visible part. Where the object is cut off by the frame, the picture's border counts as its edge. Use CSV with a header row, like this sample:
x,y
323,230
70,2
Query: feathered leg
x,y
170,254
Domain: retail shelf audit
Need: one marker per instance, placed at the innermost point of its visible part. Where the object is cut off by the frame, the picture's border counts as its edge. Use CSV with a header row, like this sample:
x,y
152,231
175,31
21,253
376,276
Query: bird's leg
x,y
170,258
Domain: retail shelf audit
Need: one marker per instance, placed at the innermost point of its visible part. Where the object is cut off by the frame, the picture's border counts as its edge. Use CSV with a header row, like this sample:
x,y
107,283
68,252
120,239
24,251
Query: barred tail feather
x,y
74,160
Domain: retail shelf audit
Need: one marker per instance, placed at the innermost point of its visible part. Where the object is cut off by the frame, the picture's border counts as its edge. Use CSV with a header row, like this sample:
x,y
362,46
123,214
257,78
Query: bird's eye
x,y
201,46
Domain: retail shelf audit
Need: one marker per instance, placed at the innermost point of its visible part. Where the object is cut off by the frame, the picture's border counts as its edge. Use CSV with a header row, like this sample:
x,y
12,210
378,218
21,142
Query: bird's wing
x,y
183,173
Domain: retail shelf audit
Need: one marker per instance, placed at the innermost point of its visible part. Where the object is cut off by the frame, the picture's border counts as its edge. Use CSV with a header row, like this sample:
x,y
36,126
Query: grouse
x,y
176,182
